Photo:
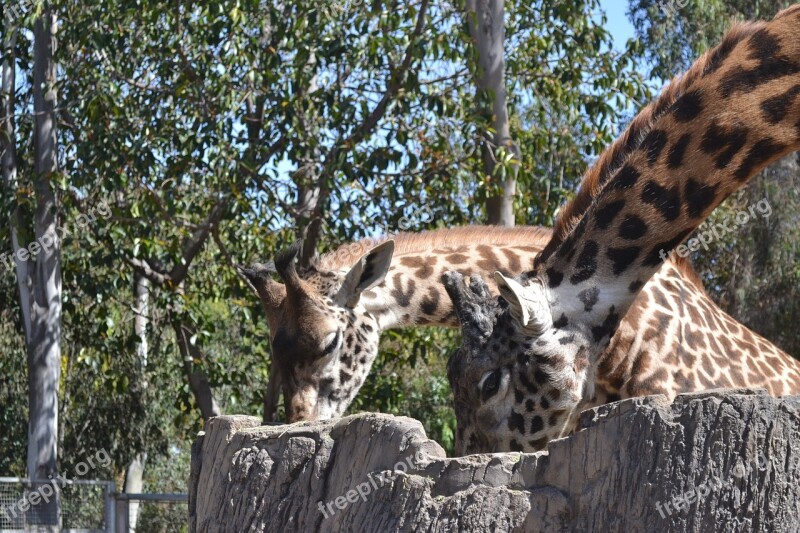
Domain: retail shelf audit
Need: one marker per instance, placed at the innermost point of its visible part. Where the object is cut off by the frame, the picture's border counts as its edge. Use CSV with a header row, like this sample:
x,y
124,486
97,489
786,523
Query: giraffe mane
x,y
614,157
410,242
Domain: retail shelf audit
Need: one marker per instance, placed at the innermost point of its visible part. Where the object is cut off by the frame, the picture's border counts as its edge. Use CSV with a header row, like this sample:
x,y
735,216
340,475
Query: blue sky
x,y
618,24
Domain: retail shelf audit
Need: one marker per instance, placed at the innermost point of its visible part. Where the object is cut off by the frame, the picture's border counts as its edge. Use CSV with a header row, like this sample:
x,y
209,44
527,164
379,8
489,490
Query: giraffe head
x,y
323,340
511,393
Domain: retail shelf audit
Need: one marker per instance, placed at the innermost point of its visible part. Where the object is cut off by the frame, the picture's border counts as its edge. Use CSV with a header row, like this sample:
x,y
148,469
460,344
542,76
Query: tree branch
x,y
143,268
198,382
314,229
195,243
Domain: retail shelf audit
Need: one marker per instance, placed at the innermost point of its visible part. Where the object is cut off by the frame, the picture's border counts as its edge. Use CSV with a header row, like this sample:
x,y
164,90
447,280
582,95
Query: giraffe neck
x,y
412,293
670,343
734,112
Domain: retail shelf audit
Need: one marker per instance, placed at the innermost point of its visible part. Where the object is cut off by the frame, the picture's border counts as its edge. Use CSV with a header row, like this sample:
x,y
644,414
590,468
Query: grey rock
x,y
711,461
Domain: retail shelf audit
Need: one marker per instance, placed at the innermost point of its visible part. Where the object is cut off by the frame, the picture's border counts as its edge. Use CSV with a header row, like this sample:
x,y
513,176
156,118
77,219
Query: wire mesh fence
x,y
84,505
88,507
11,492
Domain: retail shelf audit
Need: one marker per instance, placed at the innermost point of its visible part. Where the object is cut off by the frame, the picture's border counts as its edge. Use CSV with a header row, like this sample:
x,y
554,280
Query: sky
x,y
617,24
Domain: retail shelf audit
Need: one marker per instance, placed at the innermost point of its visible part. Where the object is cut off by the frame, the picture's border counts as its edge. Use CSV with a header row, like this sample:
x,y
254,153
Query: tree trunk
x,y
8,149
198,382
486,20
273,393
134,474
44,343
141,294
713,461
134,481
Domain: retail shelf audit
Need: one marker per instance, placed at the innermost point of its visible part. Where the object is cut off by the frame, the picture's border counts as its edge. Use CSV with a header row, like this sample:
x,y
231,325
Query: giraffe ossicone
x,y
529,303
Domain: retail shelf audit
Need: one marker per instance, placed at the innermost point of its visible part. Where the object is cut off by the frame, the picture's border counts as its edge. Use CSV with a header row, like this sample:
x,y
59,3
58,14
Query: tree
x,y
486,22
13,436
215,133
135,472
38,262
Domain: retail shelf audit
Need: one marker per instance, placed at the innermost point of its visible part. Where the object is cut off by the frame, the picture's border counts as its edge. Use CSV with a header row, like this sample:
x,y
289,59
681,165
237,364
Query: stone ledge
x,y
717,460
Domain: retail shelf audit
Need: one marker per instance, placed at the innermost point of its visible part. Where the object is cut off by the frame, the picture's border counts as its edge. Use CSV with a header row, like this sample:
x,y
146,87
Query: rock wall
x,y
715,461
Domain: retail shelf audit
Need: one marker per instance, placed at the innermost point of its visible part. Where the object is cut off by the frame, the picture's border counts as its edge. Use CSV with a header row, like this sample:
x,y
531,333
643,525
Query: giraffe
x,y
307,329
325,321
579,329
325,342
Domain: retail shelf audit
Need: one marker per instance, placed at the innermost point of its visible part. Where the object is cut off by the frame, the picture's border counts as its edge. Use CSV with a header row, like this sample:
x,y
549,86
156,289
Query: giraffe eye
x,y
335,338
489,384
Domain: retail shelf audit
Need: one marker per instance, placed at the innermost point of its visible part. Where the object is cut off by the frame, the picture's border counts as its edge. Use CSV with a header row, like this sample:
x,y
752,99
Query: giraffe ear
x,y
529,305
369,271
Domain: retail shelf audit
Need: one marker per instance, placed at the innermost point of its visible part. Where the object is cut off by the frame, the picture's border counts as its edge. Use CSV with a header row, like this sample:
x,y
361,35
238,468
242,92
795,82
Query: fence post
x,y
110,507
122,515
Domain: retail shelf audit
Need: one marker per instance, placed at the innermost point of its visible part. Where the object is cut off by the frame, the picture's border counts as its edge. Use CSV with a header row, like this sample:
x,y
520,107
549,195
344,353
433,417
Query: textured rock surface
x,y
736,452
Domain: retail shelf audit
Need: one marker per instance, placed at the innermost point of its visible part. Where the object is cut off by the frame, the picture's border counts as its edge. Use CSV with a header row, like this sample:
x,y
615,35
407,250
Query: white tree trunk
x,y
134,481
486,20
141,295
44,342
134,474
713,461
8,149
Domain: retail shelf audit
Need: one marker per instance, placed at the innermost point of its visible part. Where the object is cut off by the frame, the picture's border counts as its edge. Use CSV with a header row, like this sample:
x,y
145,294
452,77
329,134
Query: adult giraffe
x,y
531,361
325,321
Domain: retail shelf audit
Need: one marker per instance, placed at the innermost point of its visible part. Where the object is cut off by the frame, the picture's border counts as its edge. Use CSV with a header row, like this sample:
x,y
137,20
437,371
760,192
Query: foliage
x,y
218,132
410,379
674,33
13,391
165,474
569,86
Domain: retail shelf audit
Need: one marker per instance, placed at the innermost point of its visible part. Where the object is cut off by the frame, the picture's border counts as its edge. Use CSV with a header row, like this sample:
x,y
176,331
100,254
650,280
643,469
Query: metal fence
x,y
88,507
85,505
153,513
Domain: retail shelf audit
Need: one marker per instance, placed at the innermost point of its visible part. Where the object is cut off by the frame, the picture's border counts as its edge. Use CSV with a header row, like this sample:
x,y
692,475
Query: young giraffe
x,y
325,322
530,362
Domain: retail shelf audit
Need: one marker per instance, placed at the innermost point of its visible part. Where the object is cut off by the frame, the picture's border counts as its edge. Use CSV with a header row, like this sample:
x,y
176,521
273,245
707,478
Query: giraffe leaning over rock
x,y
553,344
325,321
